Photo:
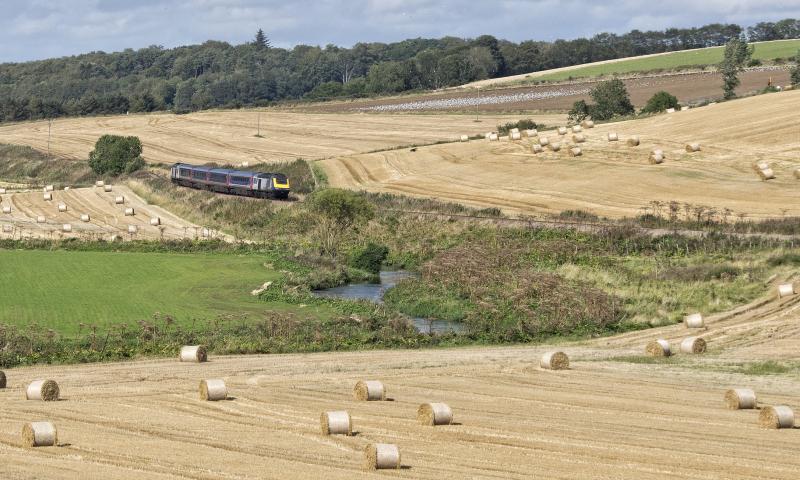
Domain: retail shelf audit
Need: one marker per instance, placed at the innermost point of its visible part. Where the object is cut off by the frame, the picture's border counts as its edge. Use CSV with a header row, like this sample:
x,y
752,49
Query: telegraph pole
x,y
49,125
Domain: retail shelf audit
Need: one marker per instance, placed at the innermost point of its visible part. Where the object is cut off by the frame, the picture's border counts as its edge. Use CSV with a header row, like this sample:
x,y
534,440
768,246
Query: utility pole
x,y
259,125
49,125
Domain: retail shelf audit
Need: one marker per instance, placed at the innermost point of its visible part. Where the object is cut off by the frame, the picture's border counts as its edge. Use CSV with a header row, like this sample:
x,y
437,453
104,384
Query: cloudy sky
x,y
34,29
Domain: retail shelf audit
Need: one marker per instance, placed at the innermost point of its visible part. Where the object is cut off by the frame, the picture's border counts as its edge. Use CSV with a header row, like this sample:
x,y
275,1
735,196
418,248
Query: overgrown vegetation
x,y
660,102
114,155
611,100
795,72
737,54
23,164
526,124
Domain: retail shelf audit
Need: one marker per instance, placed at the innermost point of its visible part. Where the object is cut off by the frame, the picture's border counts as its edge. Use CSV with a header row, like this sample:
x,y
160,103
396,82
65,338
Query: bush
x,y
579,112
370,257
795,73
660,102
526,124
611,100
114,155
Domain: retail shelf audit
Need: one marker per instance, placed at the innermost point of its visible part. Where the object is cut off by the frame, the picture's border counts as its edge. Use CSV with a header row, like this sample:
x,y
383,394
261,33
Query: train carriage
x,y
236,182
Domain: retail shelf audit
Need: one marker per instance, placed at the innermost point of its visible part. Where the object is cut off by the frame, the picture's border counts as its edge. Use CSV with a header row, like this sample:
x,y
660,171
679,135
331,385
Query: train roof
x,y
227,171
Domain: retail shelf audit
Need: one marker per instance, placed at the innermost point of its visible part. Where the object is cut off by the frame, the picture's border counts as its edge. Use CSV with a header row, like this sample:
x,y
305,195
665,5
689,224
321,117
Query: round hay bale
x,y
633,141
766,174
587,124
515,130
692,147
193,353
85,217
575,152
205,233
66,189
49,188
129,212
515,136
39,434
656,159
786,290
380,456
2,191
47,197
119,200
8,228
613,137
465,138
62,207
45,390
99,183
562,130
740,399
107,188
554,361
670,110
41,219
114,238
494,138
537,148
762,165
694,320
543,141
133,229
336,423
779,416
658,348
7,209
577,129
2,379
694,345
531,132
213,390
579,138
245,164
487,135
555,146
684,108
797,173
66,227
369,391
657,153
155,221
433,414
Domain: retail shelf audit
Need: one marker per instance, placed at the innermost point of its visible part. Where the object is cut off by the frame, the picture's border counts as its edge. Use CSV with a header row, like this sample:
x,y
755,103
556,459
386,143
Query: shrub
x,y
579,112
795,73
526,124
114,155
340,211
370,257
611,100
660,102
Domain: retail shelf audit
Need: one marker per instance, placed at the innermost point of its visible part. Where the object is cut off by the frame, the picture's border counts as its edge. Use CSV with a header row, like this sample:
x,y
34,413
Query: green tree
x,y
737,54
579,112
114,155
340,212
795,73
261,41
611,100
660,102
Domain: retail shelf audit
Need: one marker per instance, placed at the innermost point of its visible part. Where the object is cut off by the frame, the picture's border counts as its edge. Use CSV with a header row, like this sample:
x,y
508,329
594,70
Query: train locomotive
x,y
235,182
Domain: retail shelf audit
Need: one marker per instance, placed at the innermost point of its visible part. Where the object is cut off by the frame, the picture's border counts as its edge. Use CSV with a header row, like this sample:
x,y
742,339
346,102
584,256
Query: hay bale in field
x,y
531,132
7,209
336,423
487,135
554,361
114,238
544,141
740,399
694,320
47,197
41,219
633,141
658,153
85,217
692,147
797,173
761,165
579,138
433,414
193,353
213,390
8,228
155,221
779,416
99,183
587,124
133,229
766,174
2,191
129,212
381,456
62,207
205,233
555,146
786,290
107,188
45,390
465,138
684,108
562,130
658,348
575,152
2,379
693,345
369,391
514,130
536,148
49,188
67,227
39,434
613,137
788,87
656,159
66,189
494,137
577,129
119,200
670,110
244,164
515,136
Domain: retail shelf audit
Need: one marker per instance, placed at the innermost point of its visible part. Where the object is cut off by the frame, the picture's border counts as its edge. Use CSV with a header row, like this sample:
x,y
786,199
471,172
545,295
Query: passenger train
x,y
237,182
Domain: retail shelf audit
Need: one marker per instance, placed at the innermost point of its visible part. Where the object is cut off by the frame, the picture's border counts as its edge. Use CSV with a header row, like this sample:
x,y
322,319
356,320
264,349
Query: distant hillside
x,y
217,74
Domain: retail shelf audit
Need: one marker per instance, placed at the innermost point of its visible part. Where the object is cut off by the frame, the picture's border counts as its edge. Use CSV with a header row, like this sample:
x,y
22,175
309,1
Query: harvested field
x,y
228,137
106,218
514,420
508,175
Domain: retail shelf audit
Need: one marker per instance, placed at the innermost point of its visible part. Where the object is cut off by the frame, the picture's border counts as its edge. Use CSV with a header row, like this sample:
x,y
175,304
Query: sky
x,y
37,29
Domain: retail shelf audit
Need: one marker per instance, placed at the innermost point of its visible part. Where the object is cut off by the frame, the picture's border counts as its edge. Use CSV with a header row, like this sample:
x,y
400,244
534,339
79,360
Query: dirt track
x,y
601,419
610,179
106,217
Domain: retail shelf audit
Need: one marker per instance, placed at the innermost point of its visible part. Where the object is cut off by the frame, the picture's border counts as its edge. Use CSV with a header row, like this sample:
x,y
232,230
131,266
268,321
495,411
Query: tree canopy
x,y
114,155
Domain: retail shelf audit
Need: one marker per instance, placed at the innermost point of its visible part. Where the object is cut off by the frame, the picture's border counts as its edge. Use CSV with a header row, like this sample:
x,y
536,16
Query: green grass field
x,y
61,289
707,56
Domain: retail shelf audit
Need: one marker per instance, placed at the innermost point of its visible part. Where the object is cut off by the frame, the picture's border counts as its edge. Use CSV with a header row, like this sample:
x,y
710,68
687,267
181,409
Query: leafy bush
x,y
526,124
660,102
115,155
611,100
579,112
795,73
370,257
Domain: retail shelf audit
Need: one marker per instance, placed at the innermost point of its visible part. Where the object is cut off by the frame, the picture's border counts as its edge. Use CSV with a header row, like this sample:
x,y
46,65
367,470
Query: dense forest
x,y
217,74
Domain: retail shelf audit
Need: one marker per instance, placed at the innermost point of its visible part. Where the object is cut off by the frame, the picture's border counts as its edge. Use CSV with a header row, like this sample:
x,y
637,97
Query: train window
x,y
185,172
281,178
240,180
218,178
199,175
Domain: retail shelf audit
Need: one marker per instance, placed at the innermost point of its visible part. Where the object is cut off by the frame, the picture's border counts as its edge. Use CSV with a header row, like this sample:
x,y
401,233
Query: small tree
x,y
660,102
795,74
737,54
611,99
579,112
261,40
114,155
339,211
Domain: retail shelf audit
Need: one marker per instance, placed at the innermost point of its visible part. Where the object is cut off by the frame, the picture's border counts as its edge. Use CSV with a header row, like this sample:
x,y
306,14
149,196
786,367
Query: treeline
x,y
217,74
